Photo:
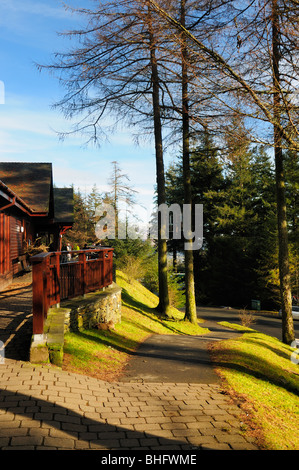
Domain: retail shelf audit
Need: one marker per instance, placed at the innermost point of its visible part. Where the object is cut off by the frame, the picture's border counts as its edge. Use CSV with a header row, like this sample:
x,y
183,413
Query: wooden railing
x,y
63,275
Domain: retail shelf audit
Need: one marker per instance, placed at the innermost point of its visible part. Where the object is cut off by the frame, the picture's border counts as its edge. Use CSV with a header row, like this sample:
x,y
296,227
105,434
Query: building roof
x,y
64,205
32,182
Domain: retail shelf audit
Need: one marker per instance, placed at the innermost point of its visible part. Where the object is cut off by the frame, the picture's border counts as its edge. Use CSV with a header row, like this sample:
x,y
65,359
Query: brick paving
x,y
43,407
16,318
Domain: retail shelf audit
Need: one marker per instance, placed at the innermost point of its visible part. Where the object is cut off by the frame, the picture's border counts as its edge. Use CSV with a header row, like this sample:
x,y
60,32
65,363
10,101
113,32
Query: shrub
x,y
246,317
133,267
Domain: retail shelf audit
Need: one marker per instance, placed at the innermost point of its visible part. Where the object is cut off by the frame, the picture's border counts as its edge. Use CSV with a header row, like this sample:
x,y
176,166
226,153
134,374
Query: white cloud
x,y
84,179
24,121
31,7
35,23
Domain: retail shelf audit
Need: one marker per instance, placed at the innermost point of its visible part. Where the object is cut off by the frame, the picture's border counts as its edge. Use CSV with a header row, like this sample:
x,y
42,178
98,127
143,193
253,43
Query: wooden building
x,y
32,211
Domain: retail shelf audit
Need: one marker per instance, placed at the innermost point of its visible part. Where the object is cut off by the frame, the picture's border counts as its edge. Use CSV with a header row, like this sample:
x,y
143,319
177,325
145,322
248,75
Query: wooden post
x,y
46,287
110,266
82,258
57,263
103,259
38,301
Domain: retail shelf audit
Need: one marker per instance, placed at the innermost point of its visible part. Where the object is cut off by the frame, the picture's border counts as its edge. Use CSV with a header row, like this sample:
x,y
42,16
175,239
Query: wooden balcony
x,y
63,275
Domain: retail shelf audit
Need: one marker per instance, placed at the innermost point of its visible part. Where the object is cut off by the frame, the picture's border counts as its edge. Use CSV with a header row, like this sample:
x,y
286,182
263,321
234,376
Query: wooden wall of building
x,y
16,243
13,230
5,262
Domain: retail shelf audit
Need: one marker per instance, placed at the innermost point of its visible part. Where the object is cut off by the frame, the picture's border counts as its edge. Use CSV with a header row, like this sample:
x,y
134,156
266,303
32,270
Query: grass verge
x,y
104,354
258,369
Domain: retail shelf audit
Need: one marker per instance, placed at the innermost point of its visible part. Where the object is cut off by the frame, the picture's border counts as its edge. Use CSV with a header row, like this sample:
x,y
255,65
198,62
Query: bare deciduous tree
x,y
112,76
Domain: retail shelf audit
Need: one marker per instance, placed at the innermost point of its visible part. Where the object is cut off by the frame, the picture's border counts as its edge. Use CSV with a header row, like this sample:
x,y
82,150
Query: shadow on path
x,y
16,320
99,434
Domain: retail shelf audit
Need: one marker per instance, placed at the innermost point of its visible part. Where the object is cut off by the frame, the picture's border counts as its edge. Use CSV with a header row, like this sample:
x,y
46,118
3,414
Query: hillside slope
x,y
104,354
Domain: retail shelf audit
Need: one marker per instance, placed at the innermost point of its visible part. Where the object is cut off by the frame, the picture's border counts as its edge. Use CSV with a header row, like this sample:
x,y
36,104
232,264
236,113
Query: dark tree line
x,y
238,262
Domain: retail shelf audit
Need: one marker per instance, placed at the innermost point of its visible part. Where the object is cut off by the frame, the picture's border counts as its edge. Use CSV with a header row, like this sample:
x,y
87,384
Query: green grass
x,y
104,354
258,369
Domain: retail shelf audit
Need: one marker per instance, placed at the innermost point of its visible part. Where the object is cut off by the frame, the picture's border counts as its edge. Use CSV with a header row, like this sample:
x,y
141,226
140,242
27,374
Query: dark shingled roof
x,y
64,205
32,182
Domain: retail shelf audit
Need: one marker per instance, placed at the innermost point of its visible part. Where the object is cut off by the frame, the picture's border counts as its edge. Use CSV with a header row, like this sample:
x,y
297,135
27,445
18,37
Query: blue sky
x,y
28,35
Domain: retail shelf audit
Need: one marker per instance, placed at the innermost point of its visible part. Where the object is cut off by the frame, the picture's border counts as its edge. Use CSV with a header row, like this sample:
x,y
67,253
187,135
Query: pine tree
x,y
121,192
292,197
93,200
82,231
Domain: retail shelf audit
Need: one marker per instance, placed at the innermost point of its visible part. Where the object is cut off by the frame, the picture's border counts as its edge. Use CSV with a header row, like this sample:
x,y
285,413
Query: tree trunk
x,y
284,274
190,312
116,205
163,306
174,259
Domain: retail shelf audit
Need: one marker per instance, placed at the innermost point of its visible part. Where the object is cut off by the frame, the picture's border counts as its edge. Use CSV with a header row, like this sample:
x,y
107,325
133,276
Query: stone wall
x,y
94,308
48,348
87,312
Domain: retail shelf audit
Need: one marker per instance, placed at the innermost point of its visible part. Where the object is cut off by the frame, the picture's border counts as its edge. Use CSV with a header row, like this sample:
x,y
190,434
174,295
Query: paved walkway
x,y
42,407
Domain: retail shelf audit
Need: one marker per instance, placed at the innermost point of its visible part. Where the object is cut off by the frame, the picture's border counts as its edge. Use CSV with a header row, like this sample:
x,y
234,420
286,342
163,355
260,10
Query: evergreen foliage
x,y
238,261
